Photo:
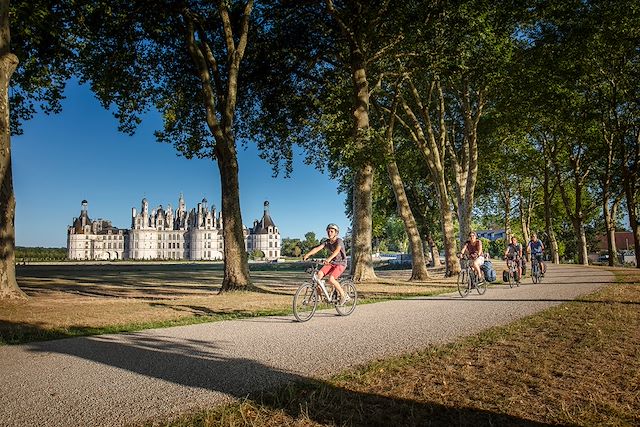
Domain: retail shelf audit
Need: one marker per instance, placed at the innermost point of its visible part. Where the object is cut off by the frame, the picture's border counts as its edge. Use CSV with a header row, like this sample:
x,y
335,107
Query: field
x,y
82,299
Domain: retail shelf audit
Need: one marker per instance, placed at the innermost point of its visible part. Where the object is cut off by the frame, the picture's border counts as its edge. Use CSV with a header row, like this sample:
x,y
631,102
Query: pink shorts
x,y
334,270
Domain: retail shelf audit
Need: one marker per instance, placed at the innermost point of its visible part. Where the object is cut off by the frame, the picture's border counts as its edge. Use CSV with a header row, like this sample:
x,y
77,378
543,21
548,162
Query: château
x,y
165,234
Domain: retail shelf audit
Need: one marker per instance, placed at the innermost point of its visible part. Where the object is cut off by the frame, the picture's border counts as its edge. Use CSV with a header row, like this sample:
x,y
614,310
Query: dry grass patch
x,y
69,300
575,364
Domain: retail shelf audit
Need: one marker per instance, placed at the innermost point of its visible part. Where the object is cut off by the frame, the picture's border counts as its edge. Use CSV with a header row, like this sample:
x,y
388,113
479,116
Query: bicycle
x,y
514,278
536,273
468,279
309,295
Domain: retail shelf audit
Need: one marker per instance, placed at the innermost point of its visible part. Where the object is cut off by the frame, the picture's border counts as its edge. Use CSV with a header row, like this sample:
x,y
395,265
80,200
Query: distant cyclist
x,y
514,253
536,247
335,263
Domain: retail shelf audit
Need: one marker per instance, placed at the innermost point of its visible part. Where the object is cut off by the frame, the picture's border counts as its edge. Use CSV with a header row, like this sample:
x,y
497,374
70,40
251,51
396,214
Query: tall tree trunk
x,y
435,252
630,165
632,210
446,215
433,147
220,96
236,263
418,263
466,164
610,226
548,220
609,211
526,205
581,240
8,63
506,199
361,261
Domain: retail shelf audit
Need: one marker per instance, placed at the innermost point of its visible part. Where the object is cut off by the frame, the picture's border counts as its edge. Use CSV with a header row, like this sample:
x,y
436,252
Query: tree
x,y
316,92
310,241
35,63
418,264
183,59
583,59
8,63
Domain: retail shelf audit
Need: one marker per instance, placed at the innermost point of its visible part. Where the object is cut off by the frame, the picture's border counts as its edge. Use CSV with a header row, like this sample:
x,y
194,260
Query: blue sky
x,y
79,154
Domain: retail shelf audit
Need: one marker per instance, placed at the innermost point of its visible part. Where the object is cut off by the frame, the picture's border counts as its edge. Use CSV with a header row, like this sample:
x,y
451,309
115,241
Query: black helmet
x,y
334,226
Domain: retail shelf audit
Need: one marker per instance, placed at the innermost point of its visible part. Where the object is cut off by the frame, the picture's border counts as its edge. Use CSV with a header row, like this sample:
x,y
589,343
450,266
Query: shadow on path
x,y
200,364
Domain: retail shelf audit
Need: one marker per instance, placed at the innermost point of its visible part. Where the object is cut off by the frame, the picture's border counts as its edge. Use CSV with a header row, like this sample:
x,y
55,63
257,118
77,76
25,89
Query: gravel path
x,y
114,380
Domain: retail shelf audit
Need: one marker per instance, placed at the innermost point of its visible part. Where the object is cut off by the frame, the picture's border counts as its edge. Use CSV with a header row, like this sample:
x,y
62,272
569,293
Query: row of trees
x,y
24,254
409,104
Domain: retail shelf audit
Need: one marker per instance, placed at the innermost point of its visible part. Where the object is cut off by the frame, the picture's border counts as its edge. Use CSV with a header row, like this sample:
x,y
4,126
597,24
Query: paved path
x,y
113,380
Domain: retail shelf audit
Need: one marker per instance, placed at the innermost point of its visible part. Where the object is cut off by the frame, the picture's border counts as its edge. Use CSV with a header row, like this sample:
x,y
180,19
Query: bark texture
x,y
8,63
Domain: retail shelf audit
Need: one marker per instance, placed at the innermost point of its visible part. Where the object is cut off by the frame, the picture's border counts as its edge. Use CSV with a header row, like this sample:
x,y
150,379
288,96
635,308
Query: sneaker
x,y
345,298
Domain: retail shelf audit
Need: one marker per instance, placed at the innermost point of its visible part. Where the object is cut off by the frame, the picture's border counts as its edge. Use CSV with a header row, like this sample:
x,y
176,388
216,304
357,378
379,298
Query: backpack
x,y
489,272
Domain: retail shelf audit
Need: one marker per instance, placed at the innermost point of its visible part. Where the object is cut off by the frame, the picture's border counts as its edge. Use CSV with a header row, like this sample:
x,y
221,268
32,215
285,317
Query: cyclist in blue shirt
x,y
536,247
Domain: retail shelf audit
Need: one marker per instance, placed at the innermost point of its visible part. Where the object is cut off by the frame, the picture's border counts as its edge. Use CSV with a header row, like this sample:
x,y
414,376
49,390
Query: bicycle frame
x,y
321,285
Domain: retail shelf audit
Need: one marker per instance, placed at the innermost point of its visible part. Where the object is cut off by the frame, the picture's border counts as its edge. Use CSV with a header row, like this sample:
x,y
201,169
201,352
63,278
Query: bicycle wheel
x,y
305,302
350,288
463,283
481,287
534,273
512,277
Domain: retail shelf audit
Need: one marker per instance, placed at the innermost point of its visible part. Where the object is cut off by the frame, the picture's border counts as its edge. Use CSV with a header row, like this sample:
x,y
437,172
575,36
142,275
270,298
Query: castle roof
x,y
262,227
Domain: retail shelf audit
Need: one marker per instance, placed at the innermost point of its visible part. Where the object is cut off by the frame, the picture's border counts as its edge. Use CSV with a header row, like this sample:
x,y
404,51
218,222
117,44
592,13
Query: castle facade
x,y
165,234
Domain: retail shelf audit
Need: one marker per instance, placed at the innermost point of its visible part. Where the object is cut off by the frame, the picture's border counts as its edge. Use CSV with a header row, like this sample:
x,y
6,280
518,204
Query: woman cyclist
x,y
473,247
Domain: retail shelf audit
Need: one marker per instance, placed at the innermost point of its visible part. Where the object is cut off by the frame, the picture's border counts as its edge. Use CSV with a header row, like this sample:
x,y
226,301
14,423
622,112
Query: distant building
x,y
97,239
624,241
264,236
166,234
492,235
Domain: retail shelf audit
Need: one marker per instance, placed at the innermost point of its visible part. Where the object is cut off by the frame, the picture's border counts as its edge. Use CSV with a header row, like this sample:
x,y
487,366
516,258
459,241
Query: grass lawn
x,y
86,299
574,364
